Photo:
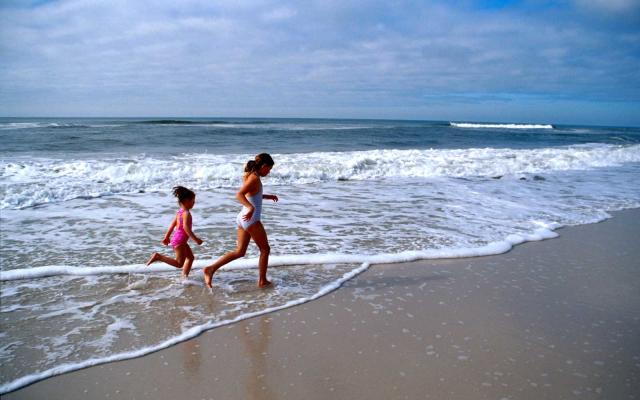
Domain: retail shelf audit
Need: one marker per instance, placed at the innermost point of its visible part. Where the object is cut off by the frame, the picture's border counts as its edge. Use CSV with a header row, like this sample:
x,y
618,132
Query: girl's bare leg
x,y
241,249
188,261
175,262
259,235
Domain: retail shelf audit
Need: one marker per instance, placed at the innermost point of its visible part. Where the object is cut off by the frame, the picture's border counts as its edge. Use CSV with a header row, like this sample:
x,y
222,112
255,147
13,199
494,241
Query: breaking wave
x,y
30,182
500,126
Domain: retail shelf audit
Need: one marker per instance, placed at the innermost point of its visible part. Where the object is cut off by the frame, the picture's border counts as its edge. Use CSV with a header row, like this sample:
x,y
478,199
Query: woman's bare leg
x,y
241,249
259,235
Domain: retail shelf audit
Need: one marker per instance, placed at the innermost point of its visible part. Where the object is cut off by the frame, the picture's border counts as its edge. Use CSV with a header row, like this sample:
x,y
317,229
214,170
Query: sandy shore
x,y
558,319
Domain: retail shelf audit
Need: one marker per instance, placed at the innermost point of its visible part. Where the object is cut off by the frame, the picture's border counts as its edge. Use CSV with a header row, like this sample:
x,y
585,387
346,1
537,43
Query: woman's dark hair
x,y
182,193
260,160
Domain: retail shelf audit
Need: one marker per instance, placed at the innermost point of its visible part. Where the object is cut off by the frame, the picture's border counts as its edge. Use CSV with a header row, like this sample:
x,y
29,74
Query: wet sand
x,y
558,319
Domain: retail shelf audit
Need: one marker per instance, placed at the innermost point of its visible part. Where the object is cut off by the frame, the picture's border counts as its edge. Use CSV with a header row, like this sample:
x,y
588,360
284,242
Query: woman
x,y
248,220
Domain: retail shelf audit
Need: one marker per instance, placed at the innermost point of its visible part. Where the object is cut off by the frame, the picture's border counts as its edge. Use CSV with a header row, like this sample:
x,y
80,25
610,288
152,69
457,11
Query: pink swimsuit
x,y
180,237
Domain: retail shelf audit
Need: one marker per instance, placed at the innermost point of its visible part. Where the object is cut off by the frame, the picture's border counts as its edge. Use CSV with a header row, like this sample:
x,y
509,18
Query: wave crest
x,y
500,126
26,183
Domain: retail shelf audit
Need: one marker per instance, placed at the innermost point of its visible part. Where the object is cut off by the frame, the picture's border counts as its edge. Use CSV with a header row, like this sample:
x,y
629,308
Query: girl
x,y
184,255
248,220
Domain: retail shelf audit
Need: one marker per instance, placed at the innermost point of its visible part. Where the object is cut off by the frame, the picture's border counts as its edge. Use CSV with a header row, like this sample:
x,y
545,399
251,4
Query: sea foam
x,y
500,126
27,183
285,260
187,334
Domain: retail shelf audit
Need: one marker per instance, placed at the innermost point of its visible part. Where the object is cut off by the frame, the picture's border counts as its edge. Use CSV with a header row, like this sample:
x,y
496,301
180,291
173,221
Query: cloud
x,y
279,14
154,57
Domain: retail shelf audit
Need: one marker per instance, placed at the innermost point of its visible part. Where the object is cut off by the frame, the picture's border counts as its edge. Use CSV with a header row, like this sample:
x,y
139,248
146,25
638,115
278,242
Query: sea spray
x,y
27,183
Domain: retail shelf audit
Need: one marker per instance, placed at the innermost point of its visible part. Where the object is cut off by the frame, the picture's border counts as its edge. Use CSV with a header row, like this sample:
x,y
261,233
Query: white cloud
x,y
279,14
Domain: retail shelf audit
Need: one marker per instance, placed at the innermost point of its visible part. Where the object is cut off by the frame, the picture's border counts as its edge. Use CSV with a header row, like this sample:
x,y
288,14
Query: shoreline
x,y
429,301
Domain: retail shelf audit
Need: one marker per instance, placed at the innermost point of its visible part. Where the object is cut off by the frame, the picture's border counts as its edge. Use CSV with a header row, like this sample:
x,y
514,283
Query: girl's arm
x,y
167,236
186,225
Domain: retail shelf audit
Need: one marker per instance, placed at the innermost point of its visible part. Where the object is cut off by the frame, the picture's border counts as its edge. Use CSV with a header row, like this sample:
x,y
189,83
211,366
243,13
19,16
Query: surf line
x,y
189,334
493,248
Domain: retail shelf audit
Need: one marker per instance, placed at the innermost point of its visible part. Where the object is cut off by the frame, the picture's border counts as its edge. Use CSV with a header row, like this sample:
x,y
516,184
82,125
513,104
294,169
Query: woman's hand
x,y
198,241
166,241
249,214
271,197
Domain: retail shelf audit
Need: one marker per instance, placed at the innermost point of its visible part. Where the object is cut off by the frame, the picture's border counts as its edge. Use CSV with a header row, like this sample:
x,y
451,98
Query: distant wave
x,y
33,125
199,122
178,122
19,125
37,125
181,122
251,124
500,126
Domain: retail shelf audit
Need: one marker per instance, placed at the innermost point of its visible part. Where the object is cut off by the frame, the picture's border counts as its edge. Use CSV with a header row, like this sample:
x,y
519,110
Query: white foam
x,y
190,333
18,125
31,125
29,182
191,282
500,126
286,260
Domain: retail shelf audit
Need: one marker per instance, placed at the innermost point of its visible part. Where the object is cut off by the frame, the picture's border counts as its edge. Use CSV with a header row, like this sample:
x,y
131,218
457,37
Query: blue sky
x,y
571,61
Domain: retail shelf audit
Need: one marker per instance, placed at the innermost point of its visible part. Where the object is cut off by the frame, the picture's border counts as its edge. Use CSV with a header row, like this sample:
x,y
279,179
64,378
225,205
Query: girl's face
x,y
189,203
264,170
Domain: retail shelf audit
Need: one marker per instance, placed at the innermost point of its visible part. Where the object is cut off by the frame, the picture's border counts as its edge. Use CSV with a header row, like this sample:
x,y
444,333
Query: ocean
x,y
84,202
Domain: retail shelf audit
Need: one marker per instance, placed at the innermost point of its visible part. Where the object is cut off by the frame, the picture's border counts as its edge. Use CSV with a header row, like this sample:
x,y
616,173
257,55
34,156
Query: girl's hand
x,y
272,197
199,241
249,214
166,241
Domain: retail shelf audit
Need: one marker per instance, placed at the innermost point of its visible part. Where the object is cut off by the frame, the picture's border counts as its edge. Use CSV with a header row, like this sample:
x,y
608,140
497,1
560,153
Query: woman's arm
x,y
270,197
186,225
249,186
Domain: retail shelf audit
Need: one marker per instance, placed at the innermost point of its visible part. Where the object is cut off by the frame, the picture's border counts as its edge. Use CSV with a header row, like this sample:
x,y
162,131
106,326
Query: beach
x,y
449,193
555,319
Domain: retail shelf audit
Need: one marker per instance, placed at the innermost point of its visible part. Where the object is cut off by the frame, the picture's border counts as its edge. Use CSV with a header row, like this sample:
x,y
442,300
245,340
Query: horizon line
x,y
328,118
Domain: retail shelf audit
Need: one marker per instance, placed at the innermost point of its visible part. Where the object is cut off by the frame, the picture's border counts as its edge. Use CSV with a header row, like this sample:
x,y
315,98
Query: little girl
x,y
184,255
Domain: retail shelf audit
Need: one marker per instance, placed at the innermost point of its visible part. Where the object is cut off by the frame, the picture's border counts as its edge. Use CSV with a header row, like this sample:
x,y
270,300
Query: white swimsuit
x,y
256,201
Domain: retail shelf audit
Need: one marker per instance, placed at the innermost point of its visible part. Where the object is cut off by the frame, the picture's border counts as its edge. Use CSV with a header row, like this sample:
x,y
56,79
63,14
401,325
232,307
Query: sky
x,y
565,62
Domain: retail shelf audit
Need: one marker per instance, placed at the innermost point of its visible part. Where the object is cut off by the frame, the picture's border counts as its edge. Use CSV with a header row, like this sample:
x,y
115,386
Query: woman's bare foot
x,y
154,257
208,276
264,283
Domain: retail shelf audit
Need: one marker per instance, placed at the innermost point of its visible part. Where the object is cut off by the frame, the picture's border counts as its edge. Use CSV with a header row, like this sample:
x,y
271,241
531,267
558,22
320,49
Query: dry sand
x,y
558,319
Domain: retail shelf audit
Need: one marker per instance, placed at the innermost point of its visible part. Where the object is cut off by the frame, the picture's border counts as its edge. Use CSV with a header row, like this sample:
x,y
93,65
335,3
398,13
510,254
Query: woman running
x,y
248,220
